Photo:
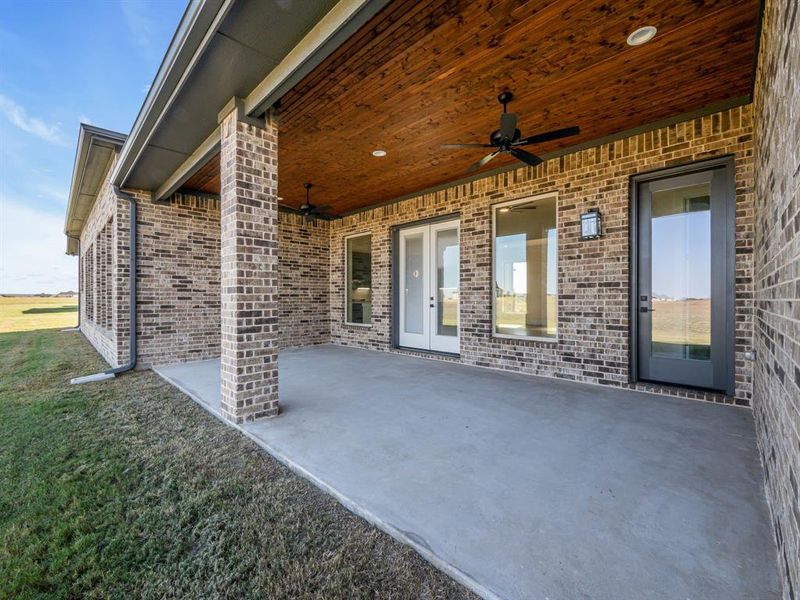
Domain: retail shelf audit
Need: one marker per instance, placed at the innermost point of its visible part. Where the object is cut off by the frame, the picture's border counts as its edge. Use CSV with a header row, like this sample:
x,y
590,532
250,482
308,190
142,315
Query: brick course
x,y
593,303
776,403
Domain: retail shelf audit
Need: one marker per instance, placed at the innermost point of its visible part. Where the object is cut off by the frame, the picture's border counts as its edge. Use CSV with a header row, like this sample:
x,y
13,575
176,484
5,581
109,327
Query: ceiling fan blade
x,y
319,209
550,135
508,125
483,161
467,146
526,157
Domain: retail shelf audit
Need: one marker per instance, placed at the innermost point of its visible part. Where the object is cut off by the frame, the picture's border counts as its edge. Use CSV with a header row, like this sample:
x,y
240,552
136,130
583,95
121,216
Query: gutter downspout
x,y
132,297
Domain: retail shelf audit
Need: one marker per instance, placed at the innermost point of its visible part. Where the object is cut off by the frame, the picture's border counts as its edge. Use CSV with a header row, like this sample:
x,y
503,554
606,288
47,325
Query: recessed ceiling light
x,y
642,35
379,153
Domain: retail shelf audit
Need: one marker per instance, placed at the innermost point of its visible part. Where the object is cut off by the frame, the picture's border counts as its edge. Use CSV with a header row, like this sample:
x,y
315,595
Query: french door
x,y
428,299
685,279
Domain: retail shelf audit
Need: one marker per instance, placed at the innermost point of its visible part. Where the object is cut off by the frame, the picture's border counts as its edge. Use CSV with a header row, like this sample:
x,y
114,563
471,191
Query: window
x,y
358,250
89,282
525,268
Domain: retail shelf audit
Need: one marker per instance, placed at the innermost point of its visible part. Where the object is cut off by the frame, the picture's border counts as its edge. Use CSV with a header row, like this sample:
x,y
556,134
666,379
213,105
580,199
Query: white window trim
x,y
347,277
494,208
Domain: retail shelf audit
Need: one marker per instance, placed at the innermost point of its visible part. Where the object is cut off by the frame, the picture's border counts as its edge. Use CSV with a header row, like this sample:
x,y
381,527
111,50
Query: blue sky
x,y
62,63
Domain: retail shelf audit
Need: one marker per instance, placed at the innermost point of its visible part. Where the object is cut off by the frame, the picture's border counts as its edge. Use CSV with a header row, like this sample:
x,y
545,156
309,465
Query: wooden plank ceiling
x,y
424,73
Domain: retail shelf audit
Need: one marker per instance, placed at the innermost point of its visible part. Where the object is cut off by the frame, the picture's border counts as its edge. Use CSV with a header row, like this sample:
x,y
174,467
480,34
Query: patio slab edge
x,y
360,510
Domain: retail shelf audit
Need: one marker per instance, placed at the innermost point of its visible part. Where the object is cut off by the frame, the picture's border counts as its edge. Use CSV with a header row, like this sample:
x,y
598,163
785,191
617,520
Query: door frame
x,y
395,268
729,218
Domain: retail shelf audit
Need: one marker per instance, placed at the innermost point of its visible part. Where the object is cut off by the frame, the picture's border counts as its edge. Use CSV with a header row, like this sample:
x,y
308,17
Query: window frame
x,y
345,240
493,252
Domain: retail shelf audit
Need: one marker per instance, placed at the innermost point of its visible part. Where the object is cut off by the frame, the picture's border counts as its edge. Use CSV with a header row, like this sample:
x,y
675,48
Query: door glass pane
x,y
681,273
526,268
415,302
447,282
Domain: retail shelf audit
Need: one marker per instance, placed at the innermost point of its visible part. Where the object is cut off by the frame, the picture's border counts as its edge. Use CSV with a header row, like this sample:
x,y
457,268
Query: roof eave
x,y
189,38
89,138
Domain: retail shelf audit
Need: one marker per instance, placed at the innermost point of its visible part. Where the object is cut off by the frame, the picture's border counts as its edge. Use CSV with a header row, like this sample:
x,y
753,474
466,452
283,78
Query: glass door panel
x,y
428,271
414,288
445,265
684,295
414,311
681,272
447,282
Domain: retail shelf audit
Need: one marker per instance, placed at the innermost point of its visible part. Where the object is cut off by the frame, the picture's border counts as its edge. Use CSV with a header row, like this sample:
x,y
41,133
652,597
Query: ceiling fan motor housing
x,y
496,139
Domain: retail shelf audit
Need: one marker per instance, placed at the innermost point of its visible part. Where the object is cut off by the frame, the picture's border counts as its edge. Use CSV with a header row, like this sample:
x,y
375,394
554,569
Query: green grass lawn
x,y
28,313
125,488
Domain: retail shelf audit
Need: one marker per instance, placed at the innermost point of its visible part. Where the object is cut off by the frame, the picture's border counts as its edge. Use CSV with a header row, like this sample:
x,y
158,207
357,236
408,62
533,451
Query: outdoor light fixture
x,y
642,35
379,153
591,224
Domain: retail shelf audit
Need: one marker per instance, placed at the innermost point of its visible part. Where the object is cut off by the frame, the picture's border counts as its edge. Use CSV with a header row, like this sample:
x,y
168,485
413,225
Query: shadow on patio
x,y
526,487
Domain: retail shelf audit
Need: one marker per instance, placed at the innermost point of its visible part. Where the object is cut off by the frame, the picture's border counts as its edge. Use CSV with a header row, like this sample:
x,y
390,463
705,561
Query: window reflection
x,y
525,254
359,279
681,273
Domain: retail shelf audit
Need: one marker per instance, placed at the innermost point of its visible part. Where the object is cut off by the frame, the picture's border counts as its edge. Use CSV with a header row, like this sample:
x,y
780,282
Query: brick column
x,y
249,262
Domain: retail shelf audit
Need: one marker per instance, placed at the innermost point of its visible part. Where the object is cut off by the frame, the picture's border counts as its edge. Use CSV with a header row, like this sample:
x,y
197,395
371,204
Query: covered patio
x,y
520,486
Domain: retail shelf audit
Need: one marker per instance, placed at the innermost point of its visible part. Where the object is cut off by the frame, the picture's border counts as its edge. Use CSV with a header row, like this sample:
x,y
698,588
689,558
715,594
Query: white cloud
x,y
49,191
20,118
32,251
141,25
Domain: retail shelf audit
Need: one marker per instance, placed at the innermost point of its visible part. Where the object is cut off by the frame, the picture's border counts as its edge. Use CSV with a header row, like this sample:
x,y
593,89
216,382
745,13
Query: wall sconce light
x,y
591,224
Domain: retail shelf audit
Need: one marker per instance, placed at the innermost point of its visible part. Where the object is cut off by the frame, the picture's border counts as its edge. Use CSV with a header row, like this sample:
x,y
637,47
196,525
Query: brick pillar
x,y
249,262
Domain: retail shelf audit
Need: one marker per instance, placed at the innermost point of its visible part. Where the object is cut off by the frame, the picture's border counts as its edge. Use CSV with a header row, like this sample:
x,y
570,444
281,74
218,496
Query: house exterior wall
x,y
99,251
178,270
593,276
776,401
303,281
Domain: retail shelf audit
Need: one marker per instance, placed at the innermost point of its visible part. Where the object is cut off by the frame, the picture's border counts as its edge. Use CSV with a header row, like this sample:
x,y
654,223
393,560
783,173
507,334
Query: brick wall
x,y
99,255
776,398
593,305
178,270
304,281
178,297
179,280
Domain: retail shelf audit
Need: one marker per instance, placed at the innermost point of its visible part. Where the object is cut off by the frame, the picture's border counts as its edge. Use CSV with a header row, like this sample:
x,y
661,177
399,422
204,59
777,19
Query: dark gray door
x,y
684,300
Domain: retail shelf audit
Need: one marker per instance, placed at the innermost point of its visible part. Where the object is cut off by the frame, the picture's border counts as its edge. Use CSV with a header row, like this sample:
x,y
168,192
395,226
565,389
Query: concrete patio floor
x,y
524,487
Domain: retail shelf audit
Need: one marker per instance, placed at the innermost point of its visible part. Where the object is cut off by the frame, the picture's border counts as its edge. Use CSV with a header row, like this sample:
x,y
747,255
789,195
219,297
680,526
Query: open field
x,y
511,313
29,313
127,489
682,322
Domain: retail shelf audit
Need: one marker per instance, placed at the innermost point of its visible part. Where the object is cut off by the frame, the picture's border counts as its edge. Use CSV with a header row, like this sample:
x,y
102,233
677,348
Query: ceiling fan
x,y
508,139
308,210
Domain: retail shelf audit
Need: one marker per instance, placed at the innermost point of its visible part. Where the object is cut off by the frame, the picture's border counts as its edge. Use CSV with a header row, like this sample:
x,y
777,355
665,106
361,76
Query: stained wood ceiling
x,y
424,73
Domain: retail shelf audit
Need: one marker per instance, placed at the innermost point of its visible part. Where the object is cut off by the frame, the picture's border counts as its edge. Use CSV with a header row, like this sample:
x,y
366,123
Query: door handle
x,y
644,309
